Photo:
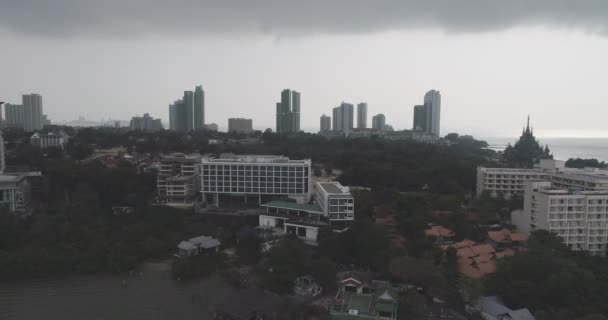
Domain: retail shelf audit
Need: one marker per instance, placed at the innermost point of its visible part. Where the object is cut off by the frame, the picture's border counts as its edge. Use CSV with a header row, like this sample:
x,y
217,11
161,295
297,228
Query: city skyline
x,y
90,68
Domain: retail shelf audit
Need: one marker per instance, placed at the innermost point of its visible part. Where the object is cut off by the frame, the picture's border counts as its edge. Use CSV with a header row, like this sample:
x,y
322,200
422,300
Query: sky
x,y
495,62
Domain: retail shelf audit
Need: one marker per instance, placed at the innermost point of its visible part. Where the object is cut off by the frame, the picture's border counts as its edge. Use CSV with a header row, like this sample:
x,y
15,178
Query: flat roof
x,y
334,188
253,158
11,177
293,206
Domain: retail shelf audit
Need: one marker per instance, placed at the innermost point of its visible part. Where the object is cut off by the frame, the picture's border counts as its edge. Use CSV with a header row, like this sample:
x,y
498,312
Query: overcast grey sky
x,y
494,61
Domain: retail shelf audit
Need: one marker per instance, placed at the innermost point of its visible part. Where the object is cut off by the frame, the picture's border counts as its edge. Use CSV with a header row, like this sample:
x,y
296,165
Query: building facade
x,y
14,192
420,122
178,179
240,125
288,112
27,115
579,218
343,118
188,113
260,178
211,127
507,182
146,124
301,220
325,124
199,108
49,140
335,201
378,122
362,115
432,100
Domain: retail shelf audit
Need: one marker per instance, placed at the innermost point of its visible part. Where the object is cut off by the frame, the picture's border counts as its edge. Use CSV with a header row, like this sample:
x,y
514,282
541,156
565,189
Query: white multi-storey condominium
x,y
579,218
264,176
14,192
177,180
49,140
432,100
335,201
362,115
510,181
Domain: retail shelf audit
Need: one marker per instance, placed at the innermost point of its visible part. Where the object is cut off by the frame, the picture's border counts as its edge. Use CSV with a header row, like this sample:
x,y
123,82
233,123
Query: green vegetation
x,y
197,266
553,281
526,151
585,163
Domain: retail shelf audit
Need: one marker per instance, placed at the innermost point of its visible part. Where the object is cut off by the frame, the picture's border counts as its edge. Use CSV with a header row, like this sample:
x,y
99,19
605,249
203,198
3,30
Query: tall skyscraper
x,y
427,117
362,115
199,108
14,115
2,164
288,112
432,100
420,118
325,123
343,120
32,112
378,122
188,113
27,115
189,105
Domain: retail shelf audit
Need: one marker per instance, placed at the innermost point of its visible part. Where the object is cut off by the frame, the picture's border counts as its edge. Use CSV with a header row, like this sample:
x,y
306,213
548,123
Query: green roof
x,y
292,206
360,302
386,307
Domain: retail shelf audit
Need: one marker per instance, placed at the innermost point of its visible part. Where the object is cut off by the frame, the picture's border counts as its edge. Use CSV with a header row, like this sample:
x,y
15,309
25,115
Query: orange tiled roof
x,y
520,237
464,243
439,231
465,253
499,236
487,267
506,253
483,248
482,258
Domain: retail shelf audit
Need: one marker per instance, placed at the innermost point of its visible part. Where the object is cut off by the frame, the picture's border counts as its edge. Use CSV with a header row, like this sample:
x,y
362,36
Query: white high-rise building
x,y
510,181
343,120
579,218
259,178
325,123
378,122
32,112
432,101
362,115
2,155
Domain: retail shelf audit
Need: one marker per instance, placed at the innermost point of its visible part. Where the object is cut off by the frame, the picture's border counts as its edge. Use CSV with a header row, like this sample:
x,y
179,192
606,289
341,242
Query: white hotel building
x,y
258,178
511,181
580,218
177,180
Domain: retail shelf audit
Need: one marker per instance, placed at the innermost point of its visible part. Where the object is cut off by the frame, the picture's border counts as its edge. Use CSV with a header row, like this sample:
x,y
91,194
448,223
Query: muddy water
x,y
151,294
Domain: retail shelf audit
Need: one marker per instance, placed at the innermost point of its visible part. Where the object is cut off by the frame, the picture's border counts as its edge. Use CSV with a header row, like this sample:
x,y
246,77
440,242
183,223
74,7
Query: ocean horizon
x,y
561,148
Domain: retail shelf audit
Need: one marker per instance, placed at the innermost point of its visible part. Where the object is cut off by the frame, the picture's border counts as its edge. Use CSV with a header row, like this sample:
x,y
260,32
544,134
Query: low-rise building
x,y
49,140
507,182
177,179
335,201
14,192
578,217
360,299
198,245
146,124
240,125
301,220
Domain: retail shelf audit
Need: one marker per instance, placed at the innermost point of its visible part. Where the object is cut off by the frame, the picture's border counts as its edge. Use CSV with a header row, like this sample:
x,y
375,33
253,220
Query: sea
x,y
562,148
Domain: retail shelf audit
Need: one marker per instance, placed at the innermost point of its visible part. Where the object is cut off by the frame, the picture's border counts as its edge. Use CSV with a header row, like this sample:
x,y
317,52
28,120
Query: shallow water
x,y
154,295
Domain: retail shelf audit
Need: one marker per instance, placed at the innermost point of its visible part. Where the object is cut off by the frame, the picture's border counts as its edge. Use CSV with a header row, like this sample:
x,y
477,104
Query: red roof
x,y
499,236
464,243
519,237
483,248
439,231
483,258
506,253
465,253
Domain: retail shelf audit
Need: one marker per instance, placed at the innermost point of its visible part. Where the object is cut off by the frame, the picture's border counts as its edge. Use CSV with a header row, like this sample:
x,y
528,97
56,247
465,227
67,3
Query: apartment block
x,y
335,201
255,178
510,181
579,218
177,180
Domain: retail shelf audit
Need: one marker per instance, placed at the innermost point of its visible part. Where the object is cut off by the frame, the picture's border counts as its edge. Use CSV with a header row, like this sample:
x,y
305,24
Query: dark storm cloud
x,y
284,17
